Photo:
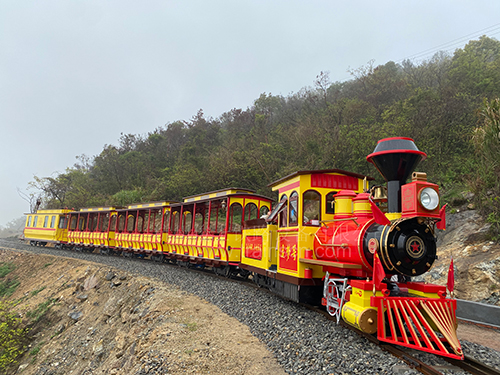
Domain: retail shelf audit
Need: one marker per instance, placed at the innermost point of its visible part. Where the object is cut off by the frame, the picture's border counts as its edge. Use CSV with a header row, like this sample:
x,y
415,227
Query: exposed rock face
x,y
476,260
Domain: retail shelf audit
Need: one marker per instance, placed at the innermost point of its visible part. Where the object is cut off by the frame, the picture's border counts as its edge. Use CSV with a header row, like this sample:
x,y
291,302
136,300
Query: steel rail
x,y
410,360
471,365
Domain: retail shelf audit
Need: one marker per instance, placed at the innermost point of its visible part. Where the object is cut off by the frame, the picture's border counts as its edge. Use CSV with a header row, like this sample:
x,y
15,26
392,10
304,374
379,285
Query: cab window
x,y
330,200
311,203
264,210
53,222
293,209
283,215
29,221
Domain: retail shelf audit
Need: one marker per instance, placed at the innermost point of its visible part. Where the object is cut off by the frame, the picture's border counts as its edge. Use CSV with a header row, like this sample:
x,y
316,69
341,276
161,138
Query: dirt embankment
x,y
103,320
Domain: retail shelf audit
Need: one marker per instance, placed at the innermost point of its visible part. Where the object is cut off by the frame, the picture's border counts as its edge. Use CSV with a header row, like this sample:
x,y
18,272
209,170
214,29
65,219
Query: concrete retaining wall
x,y
478,312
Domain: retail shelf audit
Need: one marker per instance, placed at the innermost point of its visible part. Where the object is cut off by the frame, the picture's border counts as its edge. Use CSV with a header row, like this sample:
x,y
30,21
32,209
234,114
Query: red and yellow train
x,y
329,239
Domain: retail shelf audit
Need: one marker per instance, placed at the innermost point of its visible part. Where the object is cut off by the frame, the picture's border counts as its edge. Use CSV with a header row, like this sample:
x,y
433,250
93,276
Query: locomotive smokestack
x,y
395,159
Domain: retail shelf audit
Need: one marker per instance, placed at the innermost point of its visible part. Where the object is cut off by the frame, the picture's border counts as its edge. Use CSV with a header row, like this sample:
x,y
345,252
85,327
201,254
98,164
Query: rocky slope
x,y
476,260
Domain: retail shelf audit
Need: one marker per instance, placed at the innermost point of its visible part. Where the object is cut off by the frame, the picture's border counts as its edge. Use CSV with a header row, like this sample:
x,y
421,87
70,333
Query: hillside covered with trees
x,y
446,104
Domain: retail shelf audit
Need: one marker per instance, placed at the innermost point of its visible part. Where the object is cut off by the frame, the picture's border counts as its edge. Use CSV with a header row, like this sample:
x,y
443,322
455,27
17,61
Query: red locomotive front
x,y
370,256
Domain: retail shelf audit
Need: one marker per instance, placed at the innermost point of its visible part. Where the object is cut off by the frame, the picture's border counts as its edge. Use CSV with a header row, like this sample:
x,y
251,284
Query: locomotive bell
x,y
395,159
379,193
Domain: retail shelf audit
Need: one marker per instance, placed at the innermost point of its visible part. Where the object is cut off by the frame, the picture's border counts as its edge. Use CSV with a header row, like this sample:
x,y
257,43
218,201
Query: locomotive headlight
x,y
429,198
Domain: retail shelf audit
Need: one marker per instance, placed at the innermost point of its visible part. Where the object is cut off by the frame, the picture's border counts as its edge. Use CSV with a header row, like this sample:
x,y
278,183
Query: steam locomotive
x,y
329,240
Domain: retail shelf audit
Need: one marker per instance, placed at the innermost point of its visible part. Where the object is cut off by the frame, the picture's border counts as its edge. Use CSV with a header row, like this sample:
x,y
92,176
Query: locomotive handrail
x,y
344,219
319,262
331,245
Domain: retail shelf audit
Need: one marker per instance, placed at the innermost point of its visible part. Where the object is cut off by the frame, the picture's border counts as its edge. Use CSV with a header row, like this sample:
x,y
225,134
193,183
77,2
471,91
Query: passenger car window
x,y
188,222
174,222
166,219
130,223
73,223
63,221
198,223
235,218
251,211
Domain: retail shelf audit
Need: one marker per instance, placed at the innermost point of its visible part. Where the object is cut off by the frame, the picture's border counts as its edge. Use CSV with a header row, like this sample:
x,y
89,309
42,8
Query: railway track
x,y
469,364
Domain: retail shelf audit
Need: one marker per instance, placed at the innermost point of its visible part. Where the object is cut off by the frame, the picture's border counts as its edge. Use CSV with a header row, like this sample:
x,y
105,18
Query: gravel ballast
x,y
303,342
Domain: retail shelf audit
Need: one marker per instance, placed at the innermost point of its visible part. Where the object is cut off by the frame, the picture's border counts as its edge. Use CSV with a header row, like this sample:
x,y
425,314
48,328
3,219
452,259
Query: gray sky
x,y
75,74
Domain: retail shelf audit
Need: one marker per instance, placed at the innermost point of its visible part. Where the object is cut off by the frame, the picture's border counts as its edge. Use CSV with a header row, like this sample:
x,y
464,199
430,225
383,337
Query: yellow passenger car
x,y
91,228
141,228
47,226
207,228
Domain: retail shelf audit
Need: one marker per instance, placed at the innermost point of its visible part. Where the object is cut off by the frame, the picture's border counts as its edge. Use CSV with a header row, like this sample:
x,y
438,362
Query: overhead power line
x,y
451,45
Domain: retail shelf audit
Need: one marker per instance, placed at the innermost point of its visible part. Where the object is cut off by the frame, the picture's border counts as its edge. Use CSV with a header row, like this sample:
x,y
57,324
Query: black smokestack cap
x,y
395,159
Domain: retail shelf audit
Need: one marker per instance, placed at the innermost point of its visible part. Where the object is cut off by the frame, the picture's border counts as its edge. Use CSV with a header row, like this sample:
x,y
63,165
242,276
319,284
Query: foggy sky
x,y
76,74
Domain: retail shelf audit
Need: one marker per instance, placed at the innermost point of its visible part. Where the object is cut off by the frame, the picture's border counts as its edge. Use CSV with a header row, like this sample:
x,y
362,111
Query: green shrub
x,y
35,292
485,182
6,268
13,336
40,310
7,287
36,349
